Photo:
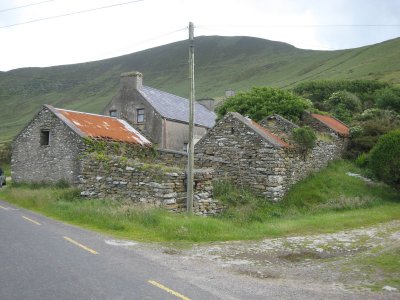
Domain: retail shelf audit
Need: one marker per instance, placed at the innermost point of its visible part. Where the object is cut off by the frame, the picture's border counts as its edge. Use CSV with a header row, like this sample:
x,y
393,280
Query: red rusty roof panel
x,y
271,135
333,123
103,127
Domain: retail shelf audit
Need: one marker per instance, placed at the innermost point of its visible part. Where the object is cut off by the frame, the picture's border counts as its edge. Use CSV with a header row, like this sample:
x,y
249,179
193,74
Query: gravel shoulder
x,y
333,266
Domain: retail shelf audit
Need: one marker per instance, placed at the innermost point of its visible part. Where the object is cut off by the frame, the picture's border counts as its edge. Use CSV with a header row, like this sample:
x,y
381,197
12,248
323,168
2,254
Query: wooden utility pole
x,y
190,175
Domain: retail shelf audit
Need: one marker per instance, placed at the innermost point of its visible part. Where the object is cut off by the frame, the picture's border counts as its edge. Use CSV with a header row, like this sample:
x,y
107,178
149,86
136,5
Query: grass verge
x,y
325,202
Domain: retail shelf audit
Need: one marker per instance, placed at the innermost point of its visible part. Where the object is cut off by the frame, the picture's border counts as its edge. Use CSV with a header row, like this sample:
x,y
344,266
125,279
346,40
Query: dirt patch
x,y
334,259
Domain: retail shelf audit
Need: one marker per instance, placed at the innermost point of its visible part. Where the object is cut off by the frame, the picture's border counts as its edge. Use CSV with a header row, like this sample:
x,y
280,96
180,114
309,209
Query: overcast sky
x,y
123,29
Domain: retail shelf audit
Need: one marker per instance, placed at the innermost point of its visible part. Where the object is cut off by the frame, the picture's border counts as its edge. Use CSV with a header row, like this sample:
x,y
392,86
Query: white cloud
x,y
132,27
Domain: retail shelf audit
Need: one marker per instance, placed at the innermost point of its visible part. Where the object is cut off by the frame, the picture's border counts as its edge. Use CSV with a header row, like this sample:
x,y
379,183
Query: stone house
x,y
56,145
49,148
161,116
263,156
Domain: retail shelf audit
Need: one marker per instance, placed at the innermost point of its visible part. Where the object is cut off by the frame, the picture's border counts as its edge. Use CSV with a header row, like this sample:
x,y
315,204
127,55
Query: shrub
x,y
261,102
362,160
368,127
384,158
5,152
305,137
388,98
343,105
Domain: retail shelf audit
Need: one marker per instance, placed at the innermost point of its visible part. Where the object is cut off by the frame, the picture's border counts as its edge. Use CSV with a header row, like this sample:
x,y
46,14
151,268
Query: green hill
x,y
221,63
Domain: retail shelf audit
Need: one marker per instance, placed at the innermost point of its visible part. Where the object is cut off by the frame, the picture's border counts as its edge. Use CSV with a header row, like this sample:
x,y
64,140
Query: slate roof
x,y
177,108
100,127
263,132
333,124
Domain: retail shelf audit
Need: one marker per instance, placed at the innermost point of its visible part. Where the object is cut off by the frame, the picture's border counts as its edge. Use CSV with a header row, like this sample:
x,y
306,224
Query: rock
x,y
389,288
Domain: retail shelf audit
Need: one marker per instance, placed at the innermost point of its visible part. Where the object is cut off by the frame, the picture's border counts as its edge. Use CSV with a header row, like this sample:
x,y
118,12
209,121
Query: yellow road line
x,y
163,287
80,245
30,220
5,208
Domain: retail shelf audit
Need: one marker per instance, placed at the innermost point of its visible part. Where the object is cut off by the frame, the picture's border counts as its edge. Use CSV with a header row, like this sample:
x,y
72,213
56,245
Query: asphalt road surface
x,y
44,259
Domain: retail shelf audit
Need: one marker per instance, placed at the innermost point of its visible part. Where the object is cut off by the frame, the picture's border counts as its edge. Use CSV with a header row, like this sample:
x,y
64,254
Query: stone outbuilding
x,y
241,150
161,116
326,124
49,148
263,157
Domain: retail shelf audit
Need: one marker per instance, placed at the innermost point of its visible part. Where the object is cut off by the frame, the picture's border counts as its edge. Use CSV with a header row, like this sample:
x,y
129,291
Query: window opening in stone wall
x,y
113,113
140,115
185,147
45,137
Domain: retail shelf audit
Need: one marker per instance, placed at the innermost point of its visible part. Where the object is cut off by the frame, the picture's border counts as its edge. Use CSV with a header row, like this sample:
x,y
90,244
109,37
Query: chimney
x,y
132,80
207,103
229,93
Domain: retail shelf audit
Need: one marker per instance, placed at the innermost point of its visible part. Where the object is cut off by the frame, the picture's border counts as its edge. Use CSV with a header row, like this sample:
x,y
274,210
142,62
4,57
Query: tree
x,y
384,158
261,102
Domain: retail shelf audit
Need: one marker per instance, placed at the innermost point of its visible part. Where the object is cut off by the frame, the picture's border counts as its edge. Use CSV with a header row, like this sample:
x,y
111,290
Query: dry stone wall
x,y
240,155
146,184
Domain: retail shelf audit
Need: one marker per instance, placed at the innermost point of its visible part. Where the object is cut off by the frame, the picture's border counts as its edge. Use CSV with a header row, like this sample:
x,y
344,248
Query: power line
x,y
73,13
27,5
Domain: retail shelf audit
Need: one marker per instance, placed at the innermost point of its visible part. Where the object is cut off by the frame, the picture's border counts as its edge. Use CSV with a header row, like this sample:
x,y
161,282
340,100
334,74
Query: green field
x,y
328,201
222,63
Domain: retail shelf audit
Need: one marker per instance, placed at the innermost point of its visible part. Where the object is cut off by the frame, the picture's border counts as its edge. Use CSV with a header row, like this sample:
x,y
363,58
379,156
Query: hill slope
x,y
221,63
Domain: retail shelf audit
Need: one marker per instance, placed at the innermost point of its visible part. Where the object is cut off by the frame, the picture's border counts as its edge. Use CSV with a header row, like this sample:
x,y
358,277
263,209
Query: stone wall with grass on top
x,y
148,184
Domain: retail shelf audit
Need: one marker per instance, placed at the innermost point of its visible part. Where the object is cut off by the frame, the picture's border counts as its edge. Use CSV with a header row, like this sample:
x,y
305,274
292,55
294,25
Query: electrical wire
x,y
27,5
70,14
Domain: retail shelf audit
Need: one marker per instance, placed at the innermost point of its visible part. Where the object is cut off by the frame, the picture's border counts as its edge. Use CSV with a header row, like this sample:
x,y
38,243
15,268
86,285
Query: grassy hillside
x,y
221,63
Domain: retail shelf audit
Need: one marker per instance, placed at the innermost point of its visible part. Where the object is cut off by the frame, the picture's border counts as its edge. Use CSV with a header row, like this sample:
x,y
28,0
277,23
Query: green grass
x,y
247,217
6,168
384,264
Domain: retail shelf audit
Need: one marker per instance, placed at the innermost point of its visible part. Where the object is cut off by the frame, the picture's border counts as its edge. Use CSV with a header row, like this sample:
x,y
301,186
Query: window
x,y
140,115
44,137
113,113
185,147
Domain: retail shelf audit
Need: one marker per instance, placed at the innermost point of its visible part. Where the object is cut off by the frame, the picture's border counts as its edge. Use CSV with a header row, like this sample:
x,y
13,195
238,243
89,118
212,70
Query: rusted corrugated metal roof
x,y
100,127
271,135
333,123
261,131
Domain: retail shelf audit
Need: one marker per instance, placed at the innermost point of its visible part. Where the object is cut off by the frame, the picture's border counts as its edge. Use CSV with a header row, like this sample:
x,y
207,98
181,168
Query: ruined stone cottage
x,y
161,116
262,156
56,145
49,148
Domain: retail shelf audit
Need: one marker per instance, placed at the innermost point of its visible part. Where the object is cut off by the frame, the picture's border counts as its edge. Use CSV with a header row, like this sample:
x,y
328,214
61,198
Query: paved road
x,y
44,259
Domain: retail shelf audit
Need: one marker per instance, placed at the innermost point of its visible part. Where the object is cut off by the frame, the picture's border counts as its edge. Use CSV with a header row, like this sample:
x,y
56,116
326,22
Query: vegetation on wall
x,y
305,137
260,102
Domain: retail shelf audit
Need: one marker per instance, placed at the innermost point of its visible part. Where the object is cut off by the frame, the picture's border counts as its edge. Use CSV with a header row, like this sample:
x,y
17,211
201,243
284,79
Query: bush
x,y
343,105
368,127
388,98
305,137
362,160
384,159
5,153
261,102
